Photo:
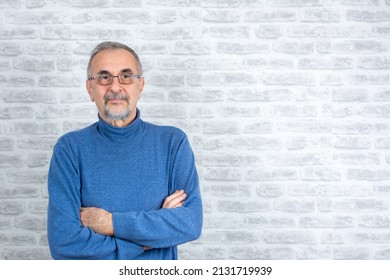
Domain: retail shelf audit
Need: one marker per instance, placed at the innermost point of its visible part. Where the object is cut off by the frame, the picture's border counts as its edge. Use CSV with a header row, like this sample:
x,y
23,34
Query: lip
x,y
116,100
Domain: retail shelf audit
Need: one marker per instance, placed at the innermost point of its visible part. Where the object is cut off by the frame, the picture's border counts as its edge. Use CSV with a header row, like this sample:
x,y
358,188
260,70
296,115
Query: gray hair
x,y
113,46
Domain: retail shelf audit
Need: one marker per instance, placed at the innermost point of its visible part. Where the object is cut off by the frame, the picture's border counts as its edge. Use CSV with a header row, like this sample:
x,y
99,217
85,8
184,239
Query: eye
x,y
126,76
104,77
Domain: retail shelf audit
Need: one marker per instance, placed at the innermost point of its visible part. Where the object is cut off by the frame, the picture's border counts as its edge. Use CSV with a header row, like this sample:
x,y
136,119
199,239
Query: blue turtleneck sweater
x,y
129,172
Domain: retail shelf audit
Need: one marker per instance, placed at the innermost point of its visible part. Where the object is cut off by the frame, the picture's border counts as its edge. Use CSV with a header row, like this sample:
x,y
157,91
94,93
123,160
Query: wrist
x,y
110,226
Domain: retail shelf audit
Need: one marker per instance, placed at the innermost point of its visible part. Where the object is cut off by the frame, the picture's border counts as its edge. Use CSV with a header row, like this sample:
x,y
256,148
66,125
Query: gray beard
x,y
113,116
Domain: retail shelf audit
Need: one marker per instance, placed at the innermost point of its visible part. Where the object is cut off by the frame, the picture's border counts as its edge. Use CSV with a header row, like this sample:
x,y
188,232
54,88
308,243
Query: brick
x,y
368,175
221,127
37,207
304,142
31,17
382,254
271,175
127,3
231,237
32,128
381,95
30,223
5,224
10,161
293,79
364,238
10,4
320,15
16,112
352,205
166,80
269,190
315,252
377,62
295,206
275,221
38,253
164,111
243,207
259,127
352,142
28,176
293,47
6,144
289,237
59,81
19,33
228,190
169,33
122,16
304,126
382,143
325,64
38,160
221,16
49,48
254,143
332,238
175,3
10,49
220,4
222,174
254,253
375,221
357,159
276,15
36,143
321,174
326,222
190,47
11,207
331,31
19,192
349,95
269,32
243,48
226,32
297,159
368,15
255,95
351,253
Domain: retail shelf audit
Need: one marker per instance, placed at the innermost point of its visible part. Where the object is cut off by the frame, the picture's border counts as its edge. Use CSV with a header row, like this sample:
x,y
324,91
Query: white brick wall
x,y
286,103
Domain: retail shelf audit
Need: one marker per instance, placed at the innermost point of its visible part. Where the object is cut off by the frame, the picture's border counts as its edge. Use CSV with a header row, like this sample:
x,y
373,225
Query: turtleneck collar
x,y
126,132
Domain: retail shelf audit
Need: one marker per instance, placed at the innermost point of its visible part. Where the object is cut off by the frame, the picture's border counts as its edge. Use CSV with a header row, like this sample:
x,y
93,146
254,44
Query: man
x,y
121,188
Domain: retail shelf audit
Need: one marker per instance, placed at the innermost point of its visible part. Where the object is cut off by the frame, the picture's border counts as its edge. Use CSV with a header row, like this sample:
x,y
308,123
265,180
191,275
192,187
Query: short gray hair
x,y
113,46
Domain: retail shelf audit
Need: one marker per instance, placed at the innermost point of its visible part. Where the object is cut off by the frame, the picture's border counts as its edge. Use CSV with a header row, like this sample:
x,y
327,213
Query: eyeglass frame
x,y
115,76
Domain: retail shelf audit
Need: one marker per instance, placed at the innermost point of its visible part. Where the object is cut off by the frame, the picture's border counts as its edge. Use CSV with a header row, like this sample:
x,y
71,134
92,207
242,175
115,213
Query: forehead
x,y
113,61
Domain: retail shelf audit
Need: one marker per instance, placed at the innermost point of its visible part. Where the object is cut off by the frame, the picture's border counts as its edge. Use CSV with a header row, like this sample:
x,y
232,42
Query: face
x,y
116,102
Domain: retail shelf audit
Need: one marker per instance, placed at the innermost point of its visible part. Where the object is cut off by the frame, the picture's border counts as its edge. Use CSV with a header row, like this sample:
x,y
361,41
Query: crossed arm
x,y
100,221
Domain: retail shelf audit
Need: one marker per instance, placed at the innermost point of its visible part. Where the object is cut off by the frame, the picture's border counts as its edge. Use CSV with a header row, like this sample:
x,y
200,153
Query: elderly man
x,y
121,188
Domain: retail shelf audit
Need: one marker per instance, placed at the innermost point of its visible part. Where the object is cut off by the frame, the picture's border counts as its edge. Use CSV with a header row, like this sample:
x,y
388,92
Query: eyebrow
x,y
126,70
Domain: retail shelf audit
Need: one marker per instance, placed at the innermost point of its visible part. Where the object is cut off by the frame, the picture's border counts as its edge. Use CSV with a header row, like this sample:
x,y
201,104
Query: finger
x,y
176,201
172,196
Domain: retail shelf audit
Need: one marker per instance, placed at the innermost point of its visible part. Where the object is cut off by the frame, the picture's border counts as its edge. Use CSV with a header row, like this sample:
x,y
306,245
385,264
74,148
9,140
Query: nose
x,y
116,85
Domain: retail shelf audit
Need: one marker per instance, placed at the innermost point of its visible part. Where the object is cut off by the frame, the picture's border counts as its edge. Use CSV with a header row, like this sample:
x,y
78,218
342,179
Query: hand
x,y
97,219
175,200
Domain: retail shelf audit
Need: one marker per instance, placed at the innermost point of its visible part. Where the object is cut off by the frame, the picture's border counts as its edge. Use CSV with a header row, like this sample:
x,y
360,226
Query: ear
x,y
89,90
141,87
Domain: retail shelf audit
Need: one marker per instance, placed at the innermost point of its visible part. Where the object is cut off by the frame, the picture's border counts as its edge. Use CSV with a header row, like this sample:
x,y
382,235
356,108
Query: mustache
x,y
115,95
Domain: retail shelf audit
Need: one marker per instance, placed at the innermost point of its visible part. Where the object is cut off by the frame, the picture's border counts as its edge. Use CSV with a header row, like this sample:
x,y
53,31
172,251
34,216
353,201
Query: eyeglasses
x,y
106,79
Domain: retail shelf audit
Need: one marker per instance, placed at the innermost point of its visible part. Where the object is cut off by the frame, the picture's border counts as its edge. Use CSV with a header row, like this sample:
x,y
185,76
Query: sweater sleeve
x,y
168,227
68,238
